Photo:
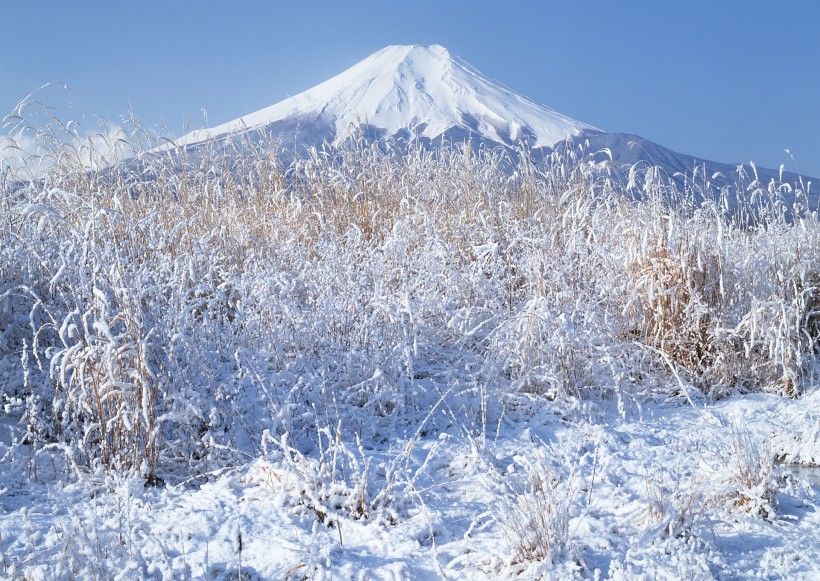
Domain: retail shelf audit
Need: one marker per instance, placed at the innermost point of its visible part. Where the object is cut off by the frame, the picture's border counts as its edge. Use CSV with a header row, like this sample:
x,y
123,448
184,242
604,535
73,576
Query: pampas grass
x,y
166,306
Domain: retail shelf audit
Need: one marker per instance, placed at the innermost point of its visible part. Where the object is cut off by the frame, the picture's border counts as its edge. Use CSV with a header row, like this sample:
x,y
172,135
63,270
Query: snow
x,y
625,472
422,88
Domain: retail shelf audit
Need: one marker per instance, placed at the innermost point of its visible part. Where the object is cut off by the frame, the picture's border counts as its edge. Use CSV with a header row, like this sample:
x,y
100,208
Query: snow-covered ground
x,y
657,493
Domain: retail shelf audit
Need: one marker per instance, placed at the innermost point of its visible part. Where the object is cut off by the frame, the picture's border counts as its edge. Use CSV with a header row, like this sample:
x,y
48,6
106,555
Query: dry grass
x,y
536,519
676,502
170,294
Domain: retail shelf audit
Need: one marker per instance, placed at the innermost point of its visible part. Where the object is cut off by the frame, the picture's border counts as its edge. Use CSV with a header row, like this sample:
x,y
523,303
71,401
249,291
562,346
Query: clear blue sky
x,y
727,80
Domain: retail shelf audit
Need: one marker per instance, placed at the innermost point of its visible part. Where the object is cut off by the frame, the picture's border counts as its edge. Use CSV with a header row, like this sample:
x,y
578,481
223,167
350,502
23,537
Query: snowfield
x,y
654,496
405,364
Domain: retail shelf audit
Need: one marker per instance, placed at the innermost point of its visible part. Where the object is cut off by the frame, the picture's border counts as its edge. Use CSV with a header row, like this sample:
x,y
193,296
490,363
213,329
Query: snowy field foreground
x,y
409,364
672,492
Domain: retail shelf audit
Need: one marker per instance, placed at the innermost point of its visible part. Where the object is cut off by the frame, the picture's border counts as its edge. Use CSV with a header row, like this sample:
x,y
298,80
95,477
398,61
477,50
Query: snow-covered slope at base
x,y
421,89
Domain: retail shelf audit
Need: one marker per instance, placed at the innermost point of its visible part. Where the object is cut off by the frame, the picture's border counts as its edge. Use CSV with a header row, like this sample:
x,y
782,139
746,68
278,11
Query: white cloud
x,y
25,155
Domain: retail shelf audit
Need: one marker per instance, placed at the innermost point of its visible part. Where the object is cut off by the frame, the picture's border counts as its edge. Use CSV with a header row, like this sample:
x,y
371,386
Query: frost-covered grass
x,y
411,363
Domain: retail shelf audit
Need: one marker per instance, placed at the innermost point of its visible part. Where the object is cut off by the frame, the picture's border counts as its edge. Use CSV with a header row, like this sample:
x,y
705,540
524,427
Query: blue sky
x,y
726,80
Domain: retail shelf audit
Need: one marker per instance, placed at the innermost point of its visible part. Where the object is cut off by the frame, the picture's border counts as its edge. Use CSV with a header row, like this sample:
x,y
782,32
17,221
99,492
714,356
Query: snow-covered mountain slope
x,y
627,150
407,90
427,94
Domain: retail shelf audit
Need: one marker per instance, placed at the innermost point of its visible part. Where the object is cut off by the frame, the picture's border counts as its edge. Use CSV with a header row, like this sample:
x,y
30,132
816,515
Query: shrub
x,y
535,514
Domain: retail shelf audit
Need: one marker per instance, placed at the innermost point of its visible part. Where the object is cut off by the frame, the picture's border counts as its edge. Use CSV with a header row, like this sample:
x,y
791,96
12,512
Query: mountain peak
x,y
435,50
395,56
413,89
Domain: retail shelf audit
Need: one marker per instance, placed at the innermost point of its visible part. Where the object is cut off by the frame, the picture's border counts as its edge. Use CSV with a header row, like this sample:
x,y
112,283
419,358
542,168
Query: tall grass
x,y
161,308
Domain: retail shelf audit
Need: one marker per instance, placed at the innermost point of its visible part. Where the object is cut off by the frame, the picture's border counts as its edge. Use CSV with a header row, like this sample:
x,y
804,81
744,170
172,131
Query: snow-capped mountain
x,y
423,91
426,93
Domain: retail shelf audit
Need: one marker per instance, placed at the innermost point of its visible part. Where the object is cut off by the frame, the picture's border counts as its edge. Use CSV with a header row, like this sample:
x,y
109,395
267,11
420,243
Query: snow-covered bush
x,y
748,473
536,518
336,481
677,501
